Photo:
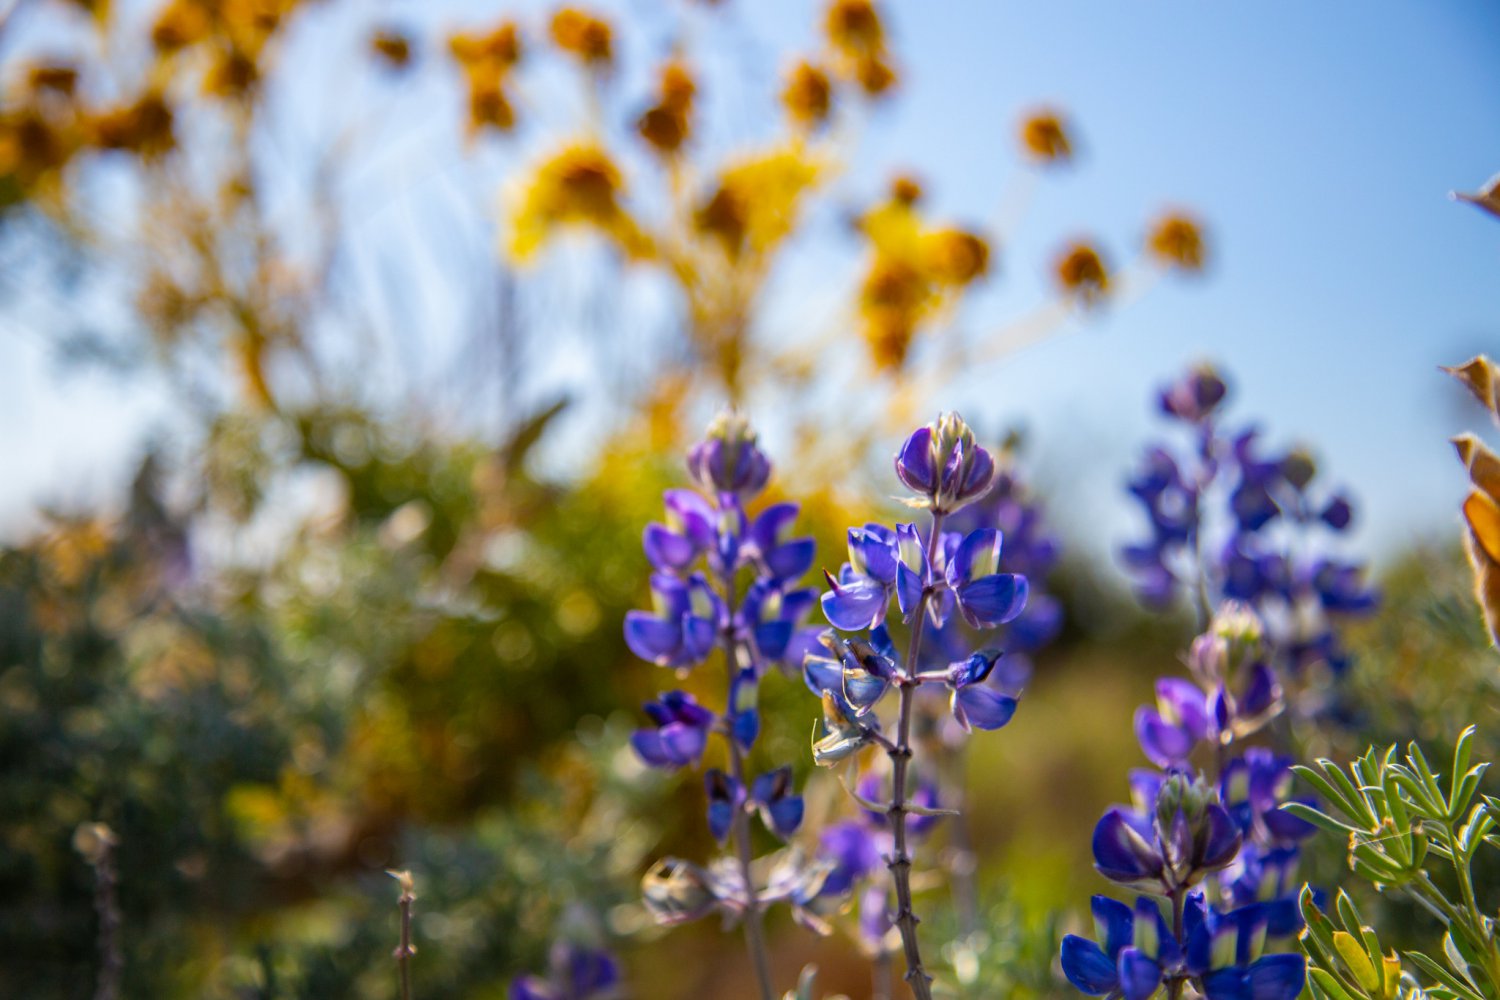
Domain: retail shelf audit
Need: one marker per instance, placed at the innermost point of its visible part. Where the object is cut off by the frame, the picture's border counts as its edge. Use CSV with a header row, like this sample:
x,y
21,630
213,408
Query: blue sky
x,y
1318,141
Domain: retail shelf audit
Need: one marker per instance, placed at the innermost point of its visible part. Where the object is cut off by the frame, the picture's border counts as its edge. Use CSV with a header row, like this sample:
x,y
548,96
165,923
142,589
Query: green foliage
x,y
1408,830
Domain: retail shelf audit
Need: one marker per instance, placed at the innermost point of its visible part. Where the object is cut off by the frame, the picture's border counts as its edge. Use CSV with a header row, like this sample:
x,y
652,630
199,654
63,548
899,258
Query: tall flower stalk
x,y
932,576
707,546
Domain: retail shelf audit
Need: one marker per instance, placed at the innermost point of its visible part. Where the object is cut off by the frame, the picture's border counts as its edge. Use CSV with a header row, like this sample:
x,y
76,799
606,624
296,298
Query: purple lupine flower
x,y
1186,834
684,627
688,532
1224,952
576,973
1138,951
986,598
1169,733
854,851
1254,787
729,461
779,557
779,807
972,702
1196,396
726,798
681,733
1268,877
944,465
860,596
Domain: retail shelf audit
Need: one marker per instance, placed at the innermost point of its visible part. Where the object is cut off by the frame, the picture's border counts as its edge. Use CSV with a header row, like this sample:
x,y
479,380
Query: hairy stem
x,y
755,932
405,950
900,863
107,906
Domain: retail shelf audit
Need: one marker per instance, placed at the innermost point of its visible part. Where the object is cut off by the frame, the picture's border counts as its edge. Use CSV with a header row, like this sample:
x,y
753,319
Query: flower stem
x,y
755,932
1179,897
107,907
900,863
405,950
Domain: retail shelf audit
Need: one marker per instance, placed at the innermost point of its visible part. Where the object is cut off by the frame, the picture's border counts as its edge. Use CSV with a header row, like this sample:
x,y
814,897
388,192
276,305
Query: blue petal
x,y
1113,921
786,815
1122,853
863,689
977,556
590,971
1277,977
914,462
1140,976
1227,984
683,743
992,600
666,549
1087,967
790,561
856,605
648,746
1163,743
1220,842
771,639
652,638
533,988
823,674
908,589
983,707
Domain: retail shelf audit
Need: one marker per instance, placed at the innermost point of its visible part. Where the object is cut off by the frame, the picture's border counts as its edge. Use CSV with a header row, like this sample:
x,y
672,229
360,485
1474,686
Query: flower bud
x,y
944,465
728,459
677,891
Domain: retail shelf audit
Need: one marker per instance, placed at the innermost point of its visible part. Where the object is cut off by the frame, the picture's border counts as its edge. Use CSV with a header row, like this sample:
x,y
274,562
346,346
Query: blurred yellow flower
x,y
489,108
54,77
1082,273
487,55
1045,138
808,96
1177,241
755,203
179,24
143,126
578,186
854,29
667,124
583,35
875,75
956,257
392,46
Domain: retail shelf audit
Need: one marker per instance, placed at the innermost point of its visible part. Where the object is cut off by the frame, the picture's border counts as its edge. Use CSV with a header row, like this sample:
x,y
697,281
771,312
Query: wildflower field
x,y
782,500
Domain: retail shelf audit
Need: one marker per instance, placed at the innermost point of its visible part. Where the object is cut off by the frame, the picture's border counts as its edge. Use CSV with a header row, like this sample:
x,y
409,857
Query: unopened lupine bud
x,y
943,464
728,459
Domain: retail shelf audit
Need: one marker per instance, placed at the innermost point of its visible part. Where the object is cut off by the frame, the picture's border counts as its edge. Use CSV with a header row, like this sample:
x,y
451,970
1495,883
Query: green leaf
x,y
1461,750
1442,975
1320,819
1357,962
1326,981
1414,754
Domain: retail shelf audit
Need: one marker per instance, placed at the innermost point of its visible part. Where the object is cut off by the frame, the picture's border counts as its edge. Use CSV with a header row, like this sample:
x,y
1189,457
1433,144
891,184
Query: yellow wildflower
x,y
666,124
1045,138
808,96
392,46
854,29
179,24
583,35
144,126
1177,241
755,203
578,186
487,55
955,257
1082,273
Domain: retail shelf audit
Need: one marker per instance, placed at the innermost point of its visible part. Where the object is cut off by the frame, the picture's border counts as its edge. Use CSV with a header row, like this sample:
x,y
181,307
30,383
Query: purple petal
x,y
977,555
533,988
683,743
1185,703
1121,852
648,745
1140,976
1088,967
1113,921
792,560
857,605
1163,743
908,589
992,600
914,462
666,549
981,706
652,638
1277,977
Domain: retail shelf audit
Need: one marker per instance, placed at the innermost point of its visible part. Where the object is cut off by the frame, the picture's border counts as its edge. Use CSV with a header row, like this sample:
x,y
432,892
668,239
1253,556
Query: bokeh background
x,y
346,347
